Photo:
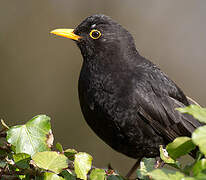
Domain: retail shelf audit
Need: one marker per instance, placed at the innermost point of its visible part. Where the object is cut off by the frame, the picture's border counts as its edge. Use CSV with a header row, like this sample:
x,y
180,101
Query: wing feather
x,y
158,97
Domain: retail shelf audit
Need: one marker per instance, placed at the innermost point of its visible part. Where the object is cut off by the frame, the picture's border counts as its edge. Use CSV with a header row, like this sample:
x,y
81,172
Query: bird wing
x,y
158,97
165,119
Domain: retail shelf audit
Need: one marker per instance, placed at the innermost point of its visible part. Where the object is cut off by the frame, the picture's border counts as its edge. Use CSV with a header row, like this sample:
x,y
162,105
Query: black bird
x,y
126,99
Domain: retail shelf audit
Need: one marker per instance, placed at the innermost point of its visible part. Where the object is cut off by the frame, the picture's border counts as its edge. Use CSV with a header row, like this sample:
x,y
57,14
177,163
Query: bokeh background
x,y
39,72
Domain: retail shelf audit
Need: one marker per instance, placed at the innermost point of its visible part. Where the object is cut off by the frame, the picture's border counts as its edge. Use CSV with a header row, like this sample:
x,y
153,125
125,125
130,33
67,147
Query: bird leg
x,y
159,163
134,167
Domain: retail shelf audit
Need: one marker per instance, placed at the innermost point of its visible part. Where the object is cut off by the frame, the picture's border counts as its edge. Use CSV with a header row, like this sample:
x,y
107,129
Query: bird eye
x,y
95,34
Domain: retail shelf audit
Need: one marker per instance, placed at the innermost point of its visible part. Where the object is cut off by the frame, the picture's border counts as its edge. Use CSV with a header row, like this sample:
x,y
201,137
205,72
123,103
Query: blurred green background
x,y
39,72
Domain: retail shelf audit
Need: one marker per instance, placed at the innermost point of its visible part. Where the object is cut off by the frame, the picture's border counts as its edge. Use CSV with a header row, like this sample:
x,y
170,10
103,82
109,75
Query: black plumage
x,y
126,99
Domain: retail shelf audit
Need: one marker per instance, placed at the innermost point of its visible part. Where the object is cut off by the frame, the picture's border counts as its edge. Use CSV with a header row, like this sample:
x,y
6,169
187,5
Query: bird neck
x,y
111,58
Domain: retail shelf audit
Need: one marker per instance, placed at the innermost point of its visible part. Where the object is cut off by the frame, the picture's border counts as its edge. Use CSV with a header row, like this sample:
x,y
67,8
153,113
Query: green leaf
x,y
165,174
22,177
188,168
199,167
22,160
82,164
68,175
70,153
199,138
196,111
146,165
190,178
52,176
50,160
32,136
97,174
3,164
59,147
165,157
179,147
201,176
114,177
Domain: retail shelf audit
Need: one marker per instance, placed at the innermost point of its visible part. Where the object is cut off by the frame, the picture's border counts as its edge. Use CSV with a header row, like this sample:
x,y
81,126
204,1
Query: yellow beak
x,y
68,33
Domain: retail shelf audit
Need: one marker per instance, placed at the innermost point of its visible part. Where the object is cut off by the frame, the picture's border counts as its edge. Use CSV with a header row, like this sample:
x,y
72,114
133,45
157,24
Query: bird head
x,y
99,35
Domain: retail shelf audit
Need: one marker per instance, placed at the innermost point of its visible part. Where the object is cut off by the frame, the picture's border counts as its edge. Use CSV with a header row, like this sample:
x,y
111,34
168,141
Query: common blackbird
x,y
126,99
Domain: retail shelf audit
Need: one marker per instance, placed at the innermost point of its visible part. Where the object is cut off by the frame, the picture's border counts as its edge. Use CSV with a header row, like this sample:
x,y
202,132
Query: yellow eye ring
x,y
95,34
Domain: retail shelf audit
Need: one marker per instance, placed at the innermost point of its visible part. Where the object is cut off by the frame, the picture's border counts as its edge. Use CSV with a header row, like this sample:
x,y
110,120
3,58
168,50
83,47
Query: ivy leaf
x,y
199,138
59,147
165,156
114,177
69,153
52,176
23,177
22,160
67,174
3,164
180,146
199,166
97,174
50,160
32,136
200,176
146,165
82,164
166,174
167,159
188,168
196,111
